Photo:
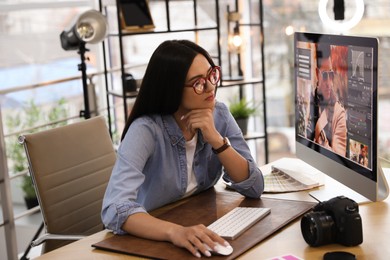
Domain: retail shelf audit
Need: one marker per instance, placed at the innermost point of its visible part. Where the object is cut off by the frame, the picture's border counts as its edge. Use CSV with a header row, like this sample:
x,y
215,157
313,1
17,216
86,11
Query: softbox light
x,y
90,27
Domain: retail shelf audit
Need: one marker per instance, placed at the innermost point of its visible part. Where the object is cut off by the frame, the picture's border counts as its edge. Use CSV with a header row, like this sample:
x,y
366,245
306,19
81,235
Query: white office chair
x,y
70,167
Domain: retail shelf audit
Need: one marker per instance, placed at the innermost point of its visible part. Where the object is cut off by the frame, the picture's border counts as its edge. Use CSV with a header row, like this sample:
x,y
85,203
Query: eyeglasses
x,y
213,77
327,75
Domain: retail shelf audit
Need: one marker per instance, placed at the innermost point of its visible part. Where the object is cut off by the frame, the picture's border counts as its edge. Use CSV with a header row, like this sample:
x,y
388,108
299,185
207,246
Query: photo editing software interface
x,y
352,87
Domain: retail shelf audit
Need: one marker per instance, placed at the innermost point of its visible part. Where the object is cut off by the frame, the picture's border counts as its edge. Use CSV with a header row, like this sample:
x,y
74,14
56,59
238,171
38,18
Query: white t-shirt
x,y
190,152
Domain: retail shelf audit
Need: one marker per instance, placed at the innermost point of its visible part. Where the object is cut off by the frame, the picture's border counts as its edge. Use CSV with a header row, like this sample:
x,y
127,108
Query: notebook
x,y
205,208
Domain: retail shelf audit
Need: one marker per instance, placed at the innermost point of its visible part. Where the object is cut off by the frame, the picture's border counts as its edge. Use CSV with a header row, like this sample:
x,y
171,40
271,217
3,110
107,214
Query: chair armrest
x,y
45,237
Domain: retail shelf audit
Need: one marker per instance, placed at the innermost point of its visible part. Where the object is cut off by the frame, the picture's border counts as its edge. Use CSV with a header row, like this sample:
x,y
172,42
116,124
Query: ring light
x,y
344,25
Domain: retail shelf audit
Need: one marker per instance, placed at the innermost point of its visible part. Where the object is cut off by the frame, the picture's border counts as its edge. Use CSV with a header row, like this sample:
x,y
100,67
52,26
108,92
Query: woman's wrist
x,y
226,144
217,142
171,230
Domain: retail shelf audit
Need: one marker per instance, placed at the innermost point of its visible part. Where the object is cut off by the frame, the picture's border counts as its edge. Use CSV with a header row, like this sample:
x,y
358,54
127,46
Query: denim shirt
x,y
151,166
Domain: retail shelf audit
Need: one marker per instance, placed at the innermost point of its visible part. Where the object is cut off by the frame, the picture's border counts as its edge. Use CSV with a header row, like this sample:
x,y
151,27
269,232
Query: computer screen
x,y
336,79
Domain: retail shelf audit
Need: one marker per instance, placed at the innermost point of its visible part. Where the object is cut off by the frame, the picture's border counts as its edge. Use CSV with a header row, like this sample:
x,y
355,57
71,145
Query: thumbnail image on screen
x,y
334,99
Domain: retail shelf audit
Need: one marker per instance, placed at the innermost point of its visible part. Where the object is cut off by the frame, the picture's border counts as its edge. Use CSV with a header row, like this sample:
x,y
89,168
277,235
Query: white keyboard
x,y
238,220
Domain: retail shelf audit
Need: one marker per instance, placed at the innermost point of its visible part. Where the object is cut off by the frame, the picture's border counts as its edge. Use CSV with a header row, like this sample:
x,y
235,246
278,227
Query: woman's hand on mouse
x,y
194,238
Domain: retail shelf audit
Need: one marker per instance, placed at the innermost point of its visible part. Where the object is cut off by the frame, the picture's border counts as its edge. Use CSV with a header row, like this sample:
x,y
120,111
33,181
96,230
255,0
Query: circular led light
x,y
343,25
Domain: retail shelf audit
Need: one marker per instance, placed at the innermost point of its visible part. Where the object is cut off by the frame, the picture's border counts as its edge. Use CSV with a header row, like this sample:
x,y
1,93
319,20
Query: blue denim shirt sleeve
x,y
252,187
120,200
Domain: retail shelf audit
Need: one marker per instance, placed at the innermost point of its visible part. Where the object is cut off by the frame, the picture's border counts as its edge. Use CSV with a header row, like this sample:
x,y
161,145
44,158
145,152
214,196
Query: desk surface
x,y
288,241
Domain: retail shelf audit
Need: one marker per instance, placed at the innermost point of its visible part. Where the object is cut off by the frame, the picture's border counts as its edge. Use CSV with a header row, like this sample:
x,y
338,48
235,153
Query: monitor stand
x,y
383,186
333,188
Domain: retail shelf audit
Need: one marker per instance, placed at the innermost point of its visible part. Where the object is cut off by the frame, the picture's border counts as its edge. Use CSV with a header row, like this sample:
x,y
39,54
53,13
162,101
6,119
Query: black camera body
x,y
130,84
334,221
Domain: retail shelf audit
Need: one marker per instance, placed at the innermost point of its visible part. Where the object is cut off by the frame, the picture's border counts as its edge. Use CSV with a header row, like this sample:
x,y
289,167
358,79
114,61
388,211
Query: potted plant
x,y
15,152
30,198
241,110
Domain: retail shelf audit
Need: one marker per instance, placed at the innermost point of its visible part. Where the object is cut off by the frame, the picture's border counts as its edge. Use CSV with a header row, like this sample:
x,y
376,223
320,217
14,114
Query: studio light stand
x,y
86,113
90,27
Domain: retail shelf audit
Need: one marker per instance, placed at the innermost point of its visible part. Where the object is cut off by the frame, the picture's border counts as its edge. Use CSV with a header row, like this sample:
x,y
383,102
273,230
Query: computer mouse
x,y
220,249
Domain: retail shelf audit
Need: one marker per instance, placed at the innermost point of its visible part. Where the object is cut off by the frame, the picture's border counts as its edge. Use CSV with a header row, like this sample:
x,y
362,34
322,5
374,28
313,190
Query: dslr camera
x,y
334,221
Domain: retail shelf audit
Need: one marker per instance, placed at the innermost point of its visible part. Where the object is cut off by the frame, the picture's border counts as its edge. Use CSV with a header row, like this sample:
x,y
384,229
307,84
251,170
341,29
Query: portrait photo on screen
x,y
333,108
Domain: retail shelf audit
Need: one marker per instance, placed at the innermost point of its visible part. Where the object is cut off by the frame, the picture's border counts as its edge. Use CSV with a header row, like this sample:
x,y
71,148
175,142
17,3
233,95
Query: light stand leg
x,y
86,113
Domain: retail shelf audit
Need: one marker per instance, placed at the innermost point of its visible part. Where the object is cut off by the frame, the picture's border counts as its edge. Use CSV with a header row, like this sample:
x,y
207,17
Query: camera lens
x,y
318,228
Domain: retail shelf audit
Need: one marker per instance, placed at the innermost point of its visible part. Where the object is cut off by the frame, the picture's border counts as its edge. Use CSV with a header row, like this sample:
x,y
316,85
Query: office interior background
x,y
41,87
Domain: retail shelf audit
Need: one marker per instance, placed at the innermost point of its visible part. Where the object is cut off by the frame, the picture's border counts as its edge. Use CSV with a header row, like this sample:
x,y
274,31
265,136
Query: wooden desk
x,y
376,235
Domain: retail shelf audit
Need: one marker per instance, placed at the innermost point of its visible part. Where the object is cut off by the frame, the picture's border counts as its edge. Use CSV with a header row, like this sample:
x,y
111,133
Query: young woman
x,y
176,143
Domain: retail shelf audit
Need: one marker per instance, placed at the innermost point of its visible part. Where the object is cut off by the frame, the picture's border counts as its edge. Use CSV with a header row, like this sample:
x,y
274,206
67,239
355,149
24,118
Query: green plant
x,y
28,187
242,108
27,120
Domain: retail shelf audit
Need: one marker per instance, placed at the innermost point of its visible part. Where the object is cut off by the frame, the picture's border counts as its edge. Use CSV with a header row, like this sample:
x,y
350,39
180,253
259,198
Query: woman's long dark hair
x,y
162,86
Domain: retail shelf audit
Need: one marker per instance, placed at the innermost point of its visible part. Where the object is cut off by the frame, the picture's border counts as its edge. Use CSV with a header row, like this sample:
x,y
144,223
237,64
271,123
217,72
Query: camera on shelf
x,y
130,83
334,221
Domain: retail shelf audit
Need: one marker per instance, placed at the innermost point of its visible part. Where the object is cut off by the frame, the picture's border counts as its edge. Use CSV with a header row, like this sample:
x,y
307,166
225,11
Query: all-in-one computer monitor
x,y
336,88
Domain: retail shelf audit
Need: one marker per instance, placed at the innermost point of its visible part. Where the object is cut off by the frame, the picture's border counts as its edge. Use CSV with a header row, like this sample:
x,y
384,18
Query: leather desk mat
x,y
205,208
